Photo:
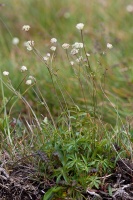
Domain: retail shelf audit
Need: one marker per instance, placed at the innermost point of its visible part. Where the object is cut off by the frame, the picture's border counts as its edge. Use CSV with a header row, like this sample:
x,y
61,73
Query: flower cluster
x,y
80,26
87,54
15,40
26,28
30,80
109,46
72,63
29,45
65,46
77,45
46,58
74,51
129,8
23,68
5,73
53,40
53,48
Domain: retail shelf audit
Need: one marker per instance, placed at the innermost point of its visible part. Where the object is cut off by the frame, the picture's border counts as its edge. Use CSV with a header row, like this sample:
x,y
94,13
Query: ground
x,y
22,181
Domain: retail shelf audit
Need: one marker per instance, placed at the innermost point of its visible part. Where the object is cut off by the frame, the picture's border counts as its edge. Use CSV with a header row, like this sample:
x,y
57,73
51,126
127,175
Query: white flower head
x,y
65,46
29,48
5,73
48,54
80,26
29,82
72,63
53,48
109,46
45,120
87,54
53,40
78,45
30,42
32,78
15,40
23,68
45,58
26,28
129,8
74,51
29,45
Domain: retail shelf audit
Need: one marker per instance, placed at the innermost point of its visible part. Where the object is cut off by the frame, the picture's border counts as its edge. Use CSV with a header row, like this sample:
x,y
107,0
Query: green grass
x,y
88,113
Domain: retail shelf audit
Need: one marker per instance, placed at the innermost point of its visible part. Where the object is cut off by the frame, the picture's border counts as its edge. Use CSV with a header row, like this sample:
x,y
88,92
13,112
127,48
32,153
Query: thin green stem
x,y
46,106
13,94
7,129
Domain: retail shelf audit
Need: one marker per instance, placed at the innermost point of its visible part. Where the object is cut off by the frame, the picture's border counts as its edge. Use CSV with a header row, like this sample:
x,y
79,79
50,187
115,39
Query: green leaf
x,y
110,190
50,193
